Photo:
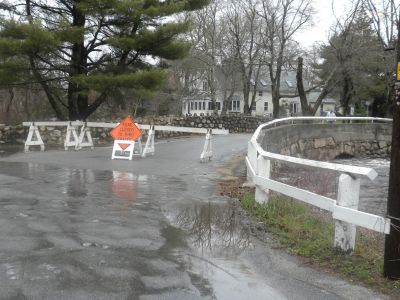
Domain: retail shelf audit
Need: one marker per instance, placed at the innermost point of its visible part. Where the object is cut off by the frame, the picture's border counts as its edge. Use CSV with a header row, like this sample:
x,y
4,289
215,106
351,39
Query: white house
x,y
200,102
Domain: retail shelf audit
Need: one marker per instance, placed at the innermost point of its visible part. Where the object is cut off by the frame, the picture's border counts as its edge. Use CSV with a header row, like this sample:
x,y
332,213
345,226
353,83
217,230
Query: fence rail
x,y
344,209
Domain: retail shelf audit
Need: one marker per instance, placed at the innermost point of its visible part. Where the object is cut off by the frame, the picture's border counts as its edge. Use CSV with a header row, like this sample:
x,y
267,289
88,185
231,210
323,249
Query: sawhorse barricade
x,y
34,138
84,138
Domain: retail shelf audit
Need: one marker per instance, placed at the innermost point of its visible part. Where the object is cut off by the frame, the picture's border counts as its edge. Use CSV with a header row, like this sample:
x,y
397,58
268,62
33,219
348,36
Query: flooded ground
x,y
76,225
373,194
6,150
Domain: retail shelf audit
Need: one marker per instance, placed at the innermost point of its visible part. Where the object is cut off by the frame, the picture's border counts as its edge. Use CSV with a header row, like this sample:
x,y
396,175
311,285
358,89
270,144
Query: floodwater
x,y
6,150
373,194
154,229
86,234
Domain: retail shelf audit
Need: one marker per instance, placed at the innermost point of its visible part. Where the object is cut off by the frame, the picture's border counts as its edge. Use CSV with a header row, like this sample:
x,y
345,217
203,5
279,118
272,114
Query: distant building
x,y
200,102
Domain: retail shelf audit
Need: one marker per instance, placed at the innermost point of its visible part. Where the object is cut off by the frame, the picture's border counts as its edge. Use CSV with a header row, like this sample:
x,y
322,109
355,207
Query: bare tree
x,y
327,87
204,38
281,20
385,17
244,29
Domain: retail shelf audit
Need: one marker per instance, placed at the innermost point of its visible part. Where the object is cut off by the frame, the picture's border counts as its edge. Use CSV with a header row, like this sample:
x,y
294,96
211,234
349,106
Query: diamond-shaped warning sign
x,y
127,131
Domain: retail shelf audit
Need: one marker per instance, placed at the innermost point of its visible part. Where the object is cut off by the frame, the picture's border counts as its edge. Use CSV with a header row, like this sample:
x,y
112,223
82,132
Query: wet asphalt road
x,y
77,225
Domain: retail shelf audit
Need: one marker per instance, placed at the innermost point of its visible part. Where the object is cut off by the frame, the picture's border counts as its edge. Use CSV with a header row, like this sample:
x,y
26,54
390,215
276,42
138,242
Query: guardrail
x,y
78,135
344,209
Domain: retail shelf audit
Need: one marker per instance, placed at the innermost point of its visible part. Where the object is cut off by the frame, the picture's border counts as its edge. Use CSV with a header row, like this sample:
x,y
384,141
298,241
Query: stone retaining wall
x,y
56,135
327,142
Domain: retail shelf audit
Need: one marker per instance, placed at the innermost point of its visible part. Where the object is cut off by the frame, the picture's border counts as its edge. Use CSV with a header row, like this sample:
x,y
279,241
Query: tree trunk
x,y
246,90
305,108
275,101
347,93
254,94
78,99
8,107
26,104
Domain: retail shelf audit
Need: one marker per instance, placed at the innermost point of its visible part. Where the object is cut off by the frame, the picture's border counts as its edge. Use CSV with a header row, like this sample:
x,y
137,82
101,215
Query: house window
x,y
218,105
205,86
191,105
253,106
204,105
195,105
210,106
265,106
260,93
235,105
293,108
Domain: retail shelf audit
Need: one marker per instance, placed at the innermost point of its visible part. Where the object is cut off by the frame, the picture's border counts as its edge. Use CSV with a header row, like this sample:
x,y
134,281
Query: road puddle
x,y
219,244
212,227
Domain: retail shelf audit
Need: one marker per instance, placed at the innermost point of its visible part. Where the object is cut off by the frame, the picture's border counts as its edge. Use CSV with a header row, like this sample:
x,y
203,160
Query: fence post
x,y
263,170
252,156
348,196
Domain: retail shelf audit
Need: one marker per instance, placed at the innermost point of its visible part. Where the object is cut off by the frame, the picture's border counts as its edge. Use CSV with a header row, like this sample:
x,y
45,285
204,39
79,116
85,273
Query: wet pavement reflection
x,y
219,243
212,227
75,233
109,235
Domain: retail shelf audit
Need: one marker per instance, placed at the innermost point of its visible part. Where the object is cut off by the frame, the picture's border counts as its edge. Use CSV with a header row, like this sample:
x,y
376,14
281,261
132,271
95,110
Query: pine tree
x,y
79,48
355,54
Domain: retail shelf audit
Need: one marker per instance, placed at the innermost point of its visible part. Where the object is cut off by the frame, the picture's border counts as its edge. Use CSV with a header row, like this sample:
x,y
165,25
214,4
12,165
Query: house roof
x,y
288,83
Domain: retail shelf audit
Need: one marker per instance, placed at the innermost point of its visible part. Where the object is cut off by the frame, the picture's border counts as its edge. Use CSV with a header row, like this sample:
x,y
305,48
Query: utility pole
x,y
391,267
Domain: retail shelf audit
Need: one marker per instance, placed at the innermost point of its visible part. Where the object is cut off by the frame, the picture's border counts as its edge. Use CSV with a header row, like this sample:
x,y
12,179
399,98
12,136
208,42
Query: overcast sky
x,y
323,19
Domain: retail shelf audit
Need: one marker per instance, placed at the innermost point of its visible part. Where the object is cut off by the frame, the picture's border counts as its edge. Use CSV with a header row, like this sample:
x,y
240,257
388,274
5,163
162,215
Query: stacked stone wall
x,y
327,142
55,135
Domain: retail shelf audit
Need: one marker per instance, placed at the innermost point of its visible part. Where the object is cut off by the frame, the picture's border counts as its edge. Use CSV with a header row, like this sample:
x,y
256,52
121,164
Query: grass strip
x,y
308,232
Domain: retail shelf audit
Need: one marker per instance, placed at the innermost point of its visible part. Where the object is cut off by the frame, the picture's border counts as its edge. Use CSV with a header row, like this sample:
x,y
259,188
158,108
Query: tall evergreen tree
x,y
80,48
355,55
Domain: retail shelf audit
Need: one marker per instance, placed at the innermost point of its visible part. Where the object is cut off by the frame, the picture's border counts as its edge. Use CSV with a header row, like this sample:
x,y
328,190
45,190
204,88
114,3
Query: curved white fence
x,y
344,209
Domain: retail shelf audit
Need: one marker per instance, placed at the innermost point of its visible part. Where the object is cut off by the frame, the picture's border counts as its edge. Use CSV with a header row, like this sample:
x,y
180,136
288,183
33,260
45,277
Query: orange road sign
x,y
126,131
398,71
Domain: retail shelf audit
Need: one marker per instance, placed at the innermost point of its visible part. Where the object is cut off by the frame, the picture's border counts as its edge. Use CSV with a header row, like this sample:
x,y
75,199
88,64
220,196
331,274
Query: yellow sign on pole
x,y
398,71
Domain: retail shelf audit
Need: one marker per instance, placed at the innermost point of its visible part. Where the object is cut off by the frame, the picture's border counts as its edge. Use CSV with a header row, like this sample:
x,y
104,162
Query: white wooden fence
x,y
78,135
344,209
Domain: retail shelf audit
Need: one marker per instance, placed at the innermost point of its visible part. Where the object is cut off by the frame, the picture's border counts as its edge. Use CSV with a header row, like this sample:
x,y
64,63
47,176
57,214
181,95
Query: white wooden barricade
x,y
149,147
344,209
84,133
207,150
34,138
84,138
71,138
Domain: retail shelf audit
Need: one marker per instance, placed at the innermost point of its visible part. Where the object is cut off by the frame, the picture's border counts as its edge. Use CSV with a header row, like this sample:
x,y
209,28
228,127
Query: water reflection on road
x,y
108,231
212,227
219,243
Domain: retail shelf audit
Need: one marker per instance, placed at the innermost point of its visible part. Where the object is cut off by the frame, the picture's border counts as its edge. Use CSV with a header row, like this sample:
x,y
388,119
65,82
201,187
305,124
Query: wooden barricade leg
x,y
85,132
34,138
149,147
137,147
71,132
207,151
